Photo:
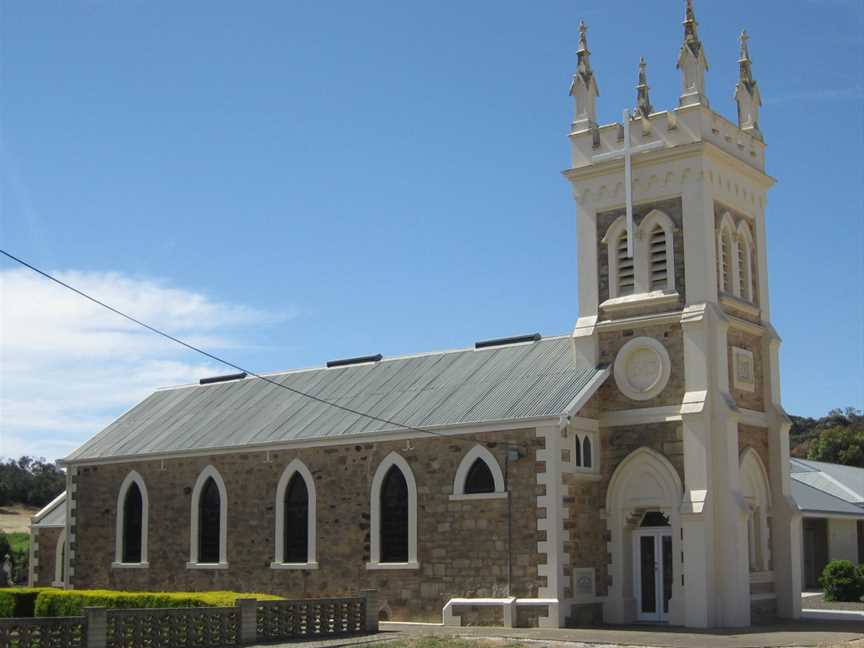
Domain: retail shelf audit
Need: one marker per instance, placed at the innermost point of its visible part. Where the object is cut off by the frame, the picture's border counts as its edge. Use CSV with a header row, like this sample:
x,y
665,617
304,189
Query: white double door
x,y
652,573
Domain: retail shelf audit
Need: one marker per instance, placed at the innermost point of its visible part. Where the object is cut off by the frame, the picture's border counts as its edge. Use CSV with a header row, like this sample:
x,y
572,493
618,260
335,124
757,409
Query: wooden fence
x,y
249,622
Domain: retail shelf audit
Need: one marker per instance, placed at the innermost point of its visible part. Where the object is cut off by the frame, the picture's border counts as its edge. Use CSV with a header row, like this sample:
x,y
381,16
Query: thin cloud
x,y
68,367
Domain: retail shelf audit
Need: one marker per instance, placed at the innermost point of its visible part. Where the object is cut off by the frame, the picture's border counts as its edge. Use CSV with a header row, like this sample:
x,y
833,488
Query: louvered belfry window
x,y
394,517
659,272
626,269
296,538
479,479
133,512
209,513
743,267
725,262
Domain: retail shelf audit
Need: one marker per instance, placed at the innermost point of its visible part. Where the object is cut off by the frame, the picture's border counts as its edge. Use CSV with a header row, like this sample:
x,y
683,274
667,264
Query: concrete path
x,y
802,634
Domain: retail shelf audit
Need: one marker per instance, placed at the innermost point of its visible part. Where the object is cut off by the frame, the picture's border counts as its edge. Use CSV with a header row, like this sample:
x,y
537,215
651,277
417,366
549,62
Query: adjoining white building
x,y
831,500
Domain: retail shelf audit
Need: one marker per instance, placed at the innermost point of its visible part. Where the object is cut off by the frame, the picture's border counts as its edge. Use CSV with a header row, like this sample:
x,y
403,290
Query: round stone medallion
x,y
642,368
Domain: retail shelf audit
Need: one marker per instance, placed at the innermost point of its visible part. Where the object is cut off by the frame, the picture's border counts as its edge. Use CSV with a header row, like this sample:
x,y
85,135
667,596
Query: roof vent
x,y
218,379
354,361
518,339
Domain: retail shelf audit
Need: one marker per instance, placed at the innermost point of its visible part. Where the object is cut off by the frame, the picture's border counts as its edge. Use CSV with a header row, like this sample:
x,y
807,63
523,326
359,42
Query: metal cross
x,y
627,152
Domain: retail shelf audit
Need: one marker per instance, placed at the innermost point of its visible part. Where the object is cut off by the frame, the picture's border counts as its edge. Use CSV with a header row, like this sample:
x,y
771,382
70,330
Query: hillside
x,y
837,437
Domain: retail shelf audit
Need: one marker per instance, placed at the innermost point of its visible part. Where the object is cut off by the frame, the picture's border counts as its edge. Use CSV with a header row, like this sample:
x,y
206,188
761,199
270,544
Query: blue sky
x,y
292,182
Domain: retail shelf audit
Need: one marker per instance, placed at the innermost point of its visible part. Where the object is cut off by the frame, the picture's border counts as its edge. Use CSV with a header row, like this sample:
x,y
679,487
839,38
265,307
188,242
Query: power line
x,y
227,363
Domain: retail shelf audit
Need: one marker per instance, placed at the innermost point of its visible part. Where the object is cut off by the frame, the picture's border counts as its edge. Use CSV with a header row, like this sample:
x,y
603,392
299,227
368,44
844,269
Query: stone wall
x,y
669,335
756,438
46,555
754,400
587,536
671,208
462,545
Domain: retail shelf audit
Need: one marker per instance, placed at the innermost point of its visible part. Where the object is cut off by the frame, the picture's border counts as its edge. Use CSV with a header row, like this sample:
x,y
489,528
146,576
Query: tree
x,y
843,443
30,481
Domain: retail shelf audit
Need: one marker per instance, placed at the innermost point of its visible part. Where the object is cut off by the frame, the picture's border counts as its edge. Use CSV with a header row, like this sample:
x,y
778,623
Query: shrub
x,y
20,601
842,581
54,603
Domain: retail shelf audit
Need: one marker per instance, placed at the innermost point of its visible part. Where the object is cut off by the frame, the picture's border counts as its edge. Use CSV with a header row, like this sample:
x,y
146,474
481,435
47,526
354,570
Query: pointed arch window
x,y
478,476
626,267
393,533
295,508
727,274
586,452
132,522
652,268
583,448
744,246
657,248
209,533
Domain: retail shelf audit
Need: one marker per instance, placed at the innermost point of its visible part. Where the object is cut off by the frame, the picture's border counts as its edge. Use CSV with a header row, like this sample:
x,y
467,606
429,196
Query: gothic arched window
x,y
133,514
726,263
296,521
479,479
209,522
586,452
394,517
130,543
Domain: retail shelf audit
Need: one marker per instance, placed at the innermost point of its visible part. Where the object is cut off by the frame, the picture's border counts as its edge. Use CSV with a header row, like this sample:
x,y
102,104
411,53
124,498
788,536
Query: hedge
x,y
20,601
52,602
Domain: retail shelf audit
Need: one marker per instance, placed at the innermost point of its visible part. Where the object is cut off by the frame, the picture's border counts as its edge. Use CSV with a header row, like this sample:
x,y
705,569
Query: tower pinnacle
x,y
747,94
583,88
692,61
643,102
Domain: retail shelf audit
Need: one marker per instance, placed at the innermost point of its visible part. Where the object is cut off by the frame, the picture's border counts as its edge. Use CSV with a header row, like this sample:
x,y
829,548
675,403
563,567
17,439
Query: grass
x,y
447,642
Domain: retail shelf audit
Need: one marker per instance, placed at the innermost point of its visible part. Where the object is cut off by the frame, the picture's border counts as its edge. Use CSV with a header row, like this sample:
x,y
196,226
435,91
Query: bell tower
x,y
673,295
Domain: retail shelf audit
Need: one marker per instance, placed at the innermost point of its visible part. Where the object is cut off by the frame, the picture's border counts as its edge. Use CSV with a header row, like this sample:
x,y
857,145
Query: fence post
x,y
97,627
248,620
371,597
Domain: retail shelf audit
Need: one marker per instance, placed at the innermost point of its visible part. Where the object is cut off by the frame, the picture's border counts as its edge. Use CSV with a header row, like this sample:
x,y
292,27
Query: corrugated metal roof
x,y
53,515
508,383
820,487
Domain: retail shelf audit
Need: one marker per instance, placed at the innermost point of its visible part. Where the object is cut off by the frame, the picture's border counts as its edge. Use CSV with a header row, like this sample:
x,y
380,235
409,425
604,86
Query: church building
x,y
634,470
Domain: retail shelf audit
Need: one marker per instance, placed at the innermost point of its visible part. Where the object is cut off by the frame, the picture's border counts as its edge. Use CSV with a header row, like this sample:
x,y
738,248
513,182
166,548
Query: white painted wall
x,y
842,540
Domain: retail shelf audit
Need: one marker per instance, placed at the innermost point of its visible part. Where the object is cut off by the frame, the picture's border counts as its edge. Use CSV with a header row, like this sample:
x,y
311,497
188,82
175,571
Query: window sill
x,y
655,298
294,566
197,565
411,564
587,474
122,565
458,497
739,304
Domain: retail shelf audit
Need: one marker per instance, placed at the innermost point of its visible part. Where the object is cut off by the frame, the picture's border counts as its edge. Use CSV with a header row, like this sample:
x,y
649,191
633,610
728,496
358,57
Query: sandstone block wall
x,y
462,545
670,336
46,555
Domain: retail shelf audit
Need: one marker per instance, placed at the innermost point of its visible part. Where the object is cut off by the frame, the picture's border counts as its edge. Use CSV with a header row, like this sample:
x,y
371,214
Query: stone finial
x,y
747,94
692,61
643,102
583,88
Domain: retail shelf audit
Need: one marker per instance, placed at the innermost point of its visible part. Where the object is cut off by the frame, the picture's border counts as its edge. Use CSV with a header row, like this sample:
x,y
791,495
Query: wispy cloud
x,y
826,94
68,367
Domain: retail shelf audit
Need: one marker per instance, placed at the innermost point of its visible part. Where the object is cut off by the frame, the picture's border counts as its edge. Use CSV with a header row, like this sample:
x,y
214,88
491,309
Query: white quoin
x,y
692,62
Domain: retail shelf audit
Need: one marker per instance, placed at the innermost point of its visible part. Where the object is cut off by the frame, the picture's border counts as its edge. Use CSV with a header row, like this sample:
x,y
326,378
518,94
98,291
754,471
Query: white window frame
x,y
482,453
641,257
743,234
132,478
296,467
727,228
59,561
393,459
209,471
577,437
